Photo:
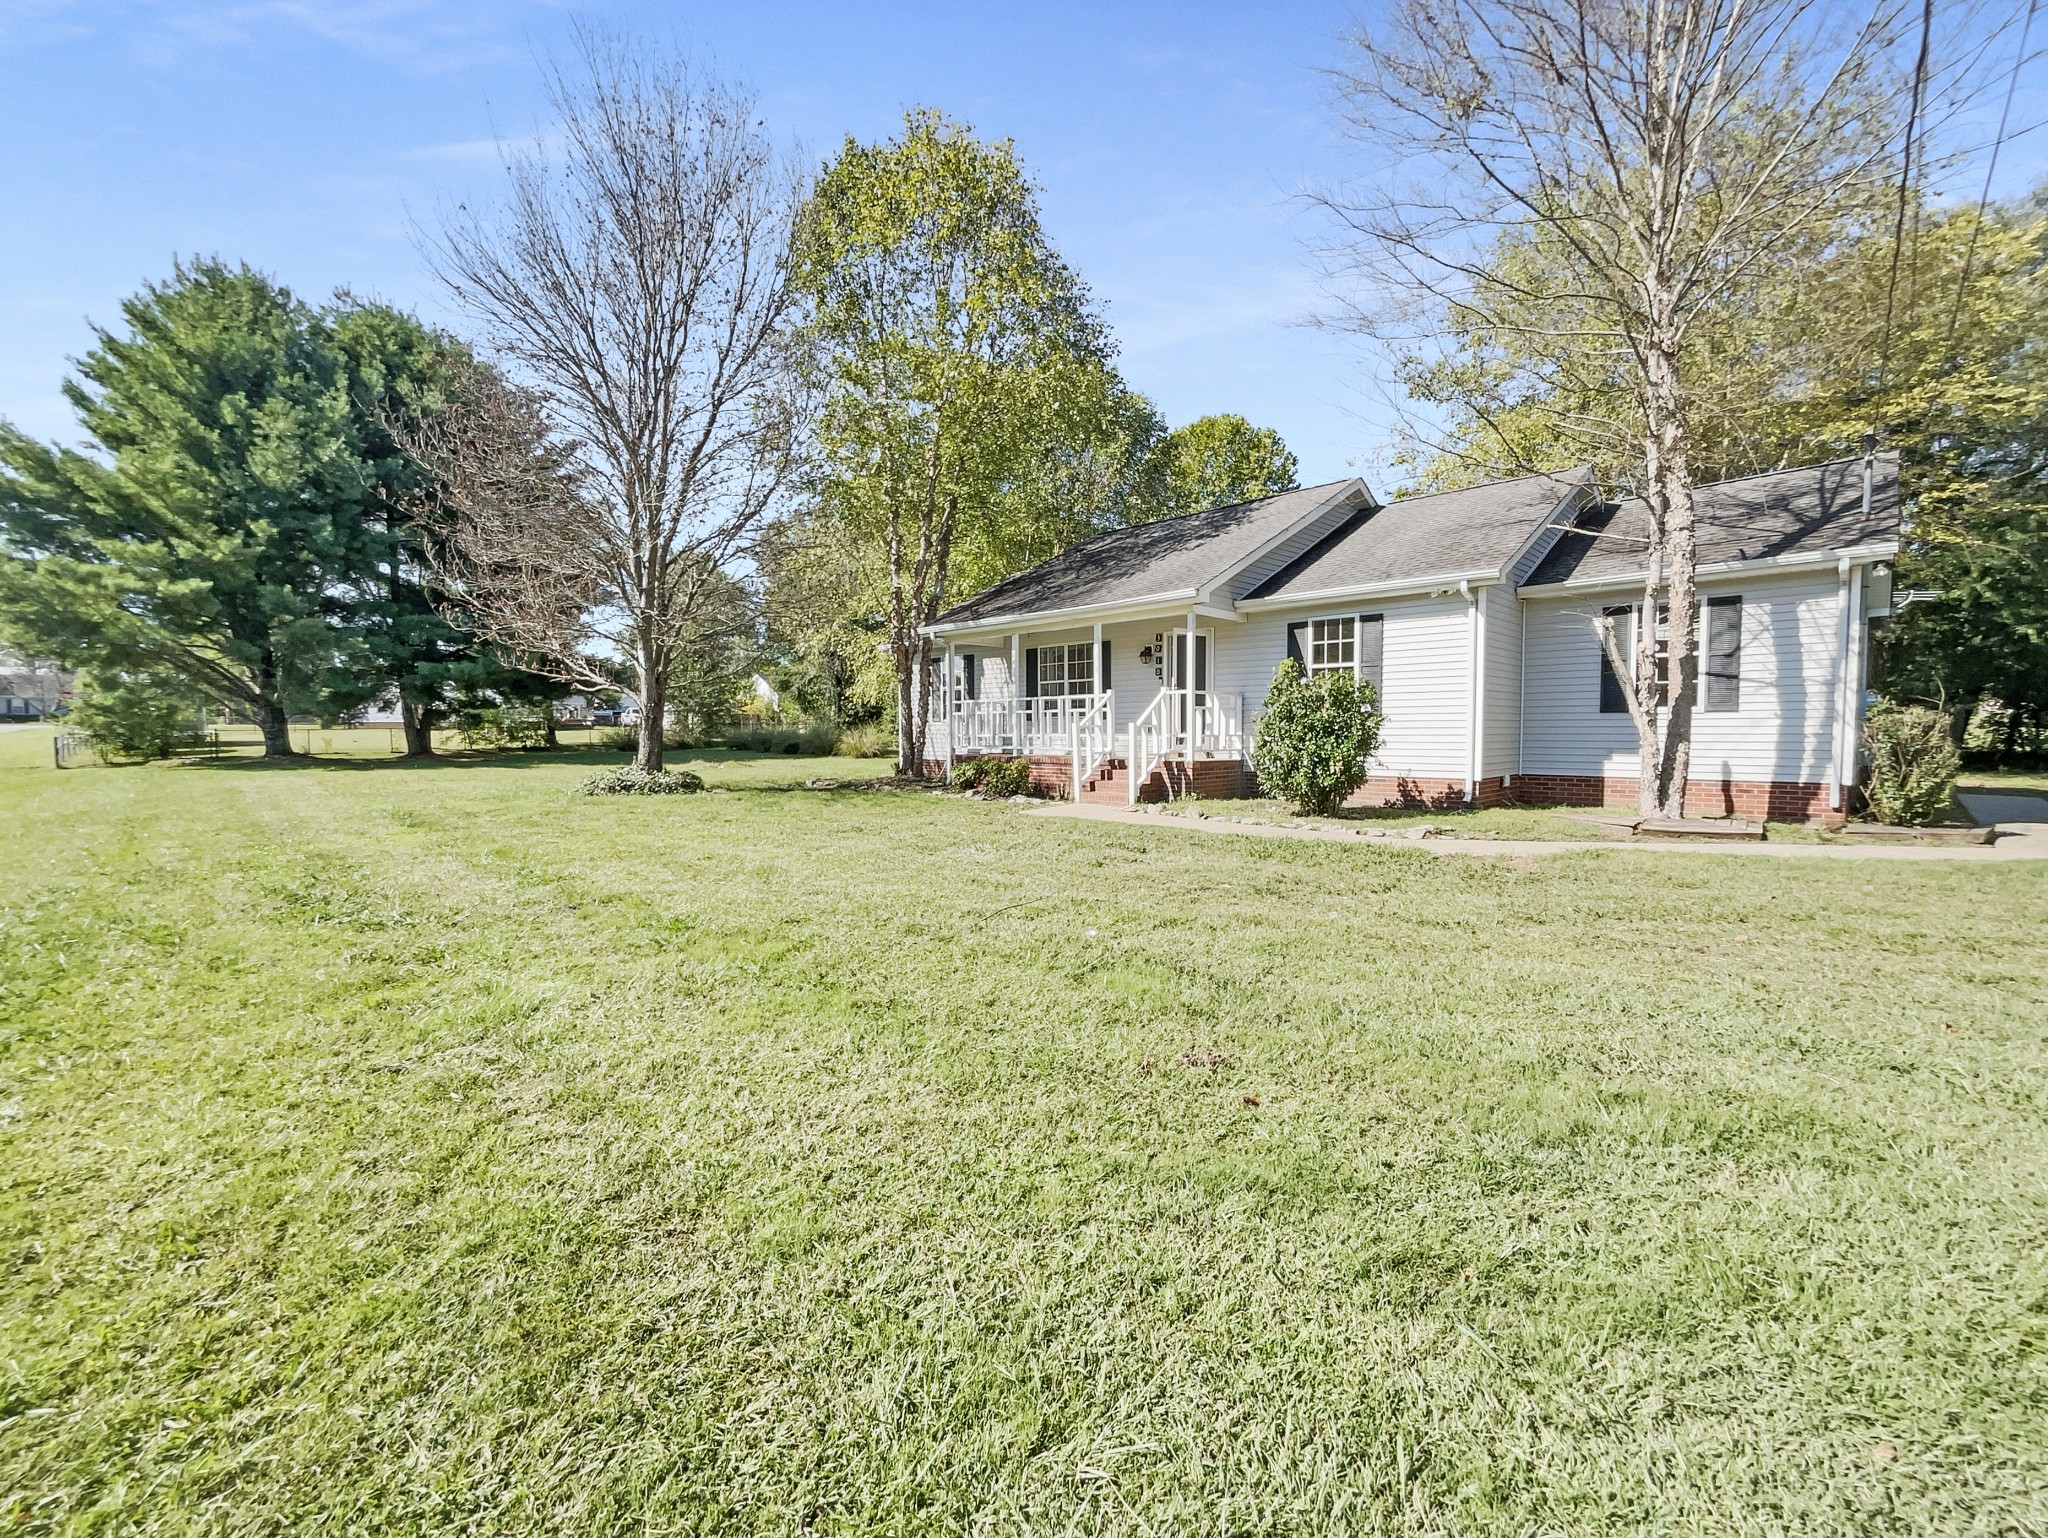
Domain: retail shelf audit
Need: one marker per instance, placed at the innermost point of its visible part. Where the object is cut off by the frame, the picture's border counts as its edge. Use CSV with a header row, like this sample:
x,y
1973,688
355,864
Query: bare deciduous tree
x,y
634,284
1645,156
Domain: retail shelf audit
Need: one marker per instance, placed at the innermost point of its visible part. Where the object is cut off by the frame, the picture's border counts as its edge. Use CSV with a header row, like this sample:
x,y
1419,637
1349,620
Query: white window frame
x,y
1069,653
1343,646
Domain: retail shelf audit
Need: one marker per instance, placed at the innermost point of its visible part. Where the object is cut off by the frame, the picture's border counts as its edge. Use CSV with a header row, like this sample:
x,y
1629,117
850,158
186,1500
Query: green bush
x,y
818,741
504,726
626,739
999,778
635,781
871,739
142,714
1913,763
1316,738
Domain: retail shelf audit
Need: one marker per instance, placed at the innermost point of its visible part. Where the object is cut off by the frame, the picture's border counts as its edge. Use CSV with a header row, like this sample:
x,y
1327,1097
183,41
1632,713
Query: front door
x,y
1176,667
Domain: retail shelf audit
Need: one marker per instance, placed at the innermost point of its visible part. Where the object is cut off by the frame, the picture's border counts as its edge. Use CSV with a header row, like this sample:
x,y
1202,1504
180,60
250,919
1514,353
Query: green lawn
x,y
424,1149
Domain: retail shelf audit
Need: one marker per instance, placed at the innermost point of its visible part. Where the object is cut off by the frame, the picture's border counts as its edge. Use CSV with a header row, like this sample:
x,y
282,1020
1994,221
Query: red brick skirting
x,y
1771,800
1424,791
1052,774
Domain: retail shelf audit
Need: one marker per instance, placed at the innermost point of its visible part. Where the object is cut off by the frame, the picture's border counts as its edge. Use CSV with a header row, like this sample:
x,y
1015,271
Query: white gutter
x,y
1441,582
1773,565
1837,769
1054,619
1475,686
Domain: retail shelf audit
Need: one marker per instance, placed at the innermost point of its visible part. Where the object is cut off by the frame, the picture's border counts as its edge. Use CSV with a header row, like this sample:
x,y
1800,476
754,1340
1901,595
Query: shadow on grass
x,y
545,758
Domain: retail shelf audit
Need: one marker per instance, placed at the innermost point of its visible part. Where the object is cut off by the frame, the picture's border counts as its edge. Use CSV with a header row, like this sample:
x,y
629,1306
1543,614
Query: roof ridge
x,y
1758,475
1512,480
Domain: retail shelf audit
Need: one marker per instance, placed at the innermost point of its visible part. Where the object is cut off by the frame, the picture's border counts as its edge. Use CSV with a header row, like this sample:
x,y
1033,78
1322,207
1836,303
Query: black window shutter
x,y
970,675
1372,648
1613,698
1031,672
1102,683
1724,654
1294,652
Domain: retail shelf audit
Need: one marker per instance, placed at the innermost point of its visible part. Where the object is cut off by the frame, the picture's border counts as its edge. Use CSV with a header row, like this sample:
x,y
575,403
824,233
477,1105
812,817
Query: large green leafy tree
x,y
404,640
952,345
216,526
1939,347
1217,460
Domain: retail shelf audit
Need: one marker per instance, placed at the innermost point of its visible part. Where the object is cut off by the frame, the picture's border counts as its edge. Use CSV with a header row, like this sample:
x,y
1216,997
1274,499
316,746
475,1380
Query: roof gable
x,y
1170,558
1478,530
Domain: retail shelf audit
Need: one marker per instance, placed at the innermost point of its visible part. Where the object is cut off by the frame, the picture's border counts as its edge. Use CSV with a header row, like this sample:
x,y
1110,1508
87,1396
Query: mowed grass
x,y
428,1150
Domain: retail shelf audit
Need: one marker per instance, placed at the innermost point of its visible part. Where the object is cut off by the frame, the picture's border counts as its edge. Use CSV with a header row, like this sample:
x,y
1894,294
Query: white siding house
x,y
1473,612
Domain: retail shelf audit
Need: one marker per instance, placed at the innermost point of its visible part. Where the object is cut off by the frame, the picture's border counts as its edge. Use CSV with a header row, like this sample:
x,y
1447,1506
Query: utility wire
x,y
1884,361
1984,198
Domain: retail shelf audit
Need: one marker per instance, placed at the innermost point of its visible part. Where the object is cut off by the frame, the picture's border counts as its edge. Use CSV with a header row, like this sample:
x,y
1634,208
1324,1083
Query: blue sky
x,y
304,136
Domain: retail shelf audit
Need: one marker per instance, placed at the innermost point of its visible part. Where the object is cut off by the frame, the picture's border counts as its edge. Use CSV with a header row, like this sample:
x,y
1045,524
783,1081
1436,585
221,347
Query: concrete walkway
x,y
2023,836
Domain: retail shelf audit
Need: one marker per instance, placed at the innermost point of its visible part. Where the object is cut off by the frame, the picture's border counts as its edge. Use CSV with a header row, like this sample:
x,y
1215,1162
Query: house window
x,y
1723,654
1061,670
1333,646
967,680
1613,693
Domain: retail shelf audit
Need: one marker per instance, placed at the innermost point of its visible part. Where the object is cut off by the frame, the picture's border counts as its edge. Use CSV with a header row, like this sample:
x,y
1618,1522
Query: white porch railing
x,y
1151,738
1094,733
1042,724
1082,729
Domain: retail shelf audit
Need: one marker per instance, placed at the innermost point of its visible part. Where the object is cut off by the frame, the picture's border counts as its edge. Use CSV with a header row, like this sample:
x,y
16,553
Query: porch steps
x,y
1109,785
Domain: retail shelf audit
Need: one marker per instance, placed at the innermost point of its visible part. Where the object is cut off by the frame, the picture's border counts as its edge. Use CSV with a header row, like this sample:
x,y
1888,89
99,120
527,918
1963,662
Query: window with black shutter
x,y
1724,654
1372,649
1613,696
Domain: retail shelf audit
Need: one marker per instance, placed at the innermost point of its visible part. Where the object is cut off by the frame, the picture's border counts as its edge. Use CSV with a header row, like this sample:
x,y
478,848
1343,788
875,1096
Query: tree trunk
x,y
653,709
1664,774
419,729
270,712
547,725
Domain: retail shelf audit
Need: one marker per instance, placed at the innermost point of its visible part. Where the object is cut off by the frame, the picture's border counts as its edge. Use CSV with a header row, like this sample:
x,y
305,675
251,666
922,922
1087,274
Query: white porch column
x,y
952,709
1189,679
1016,690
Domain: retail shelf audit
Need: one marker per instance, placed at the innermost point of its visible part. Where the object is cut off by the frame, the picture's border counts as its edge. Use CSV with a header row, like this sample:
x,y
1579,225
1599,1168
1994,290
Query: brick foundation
x,y
1425,791
1214,779
1768,800
1052,775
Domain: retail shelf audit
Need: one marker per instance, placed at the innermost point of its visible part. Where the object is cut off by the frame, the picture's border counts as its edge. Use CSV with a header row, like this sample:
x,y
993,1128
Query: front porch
x,y
1048,697
1077,754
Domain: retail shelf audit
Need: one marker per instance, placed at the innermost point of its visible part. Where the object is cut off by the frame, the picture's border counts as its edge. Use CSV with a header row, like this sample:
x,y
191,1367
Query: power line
x,y
1984,198
1884,361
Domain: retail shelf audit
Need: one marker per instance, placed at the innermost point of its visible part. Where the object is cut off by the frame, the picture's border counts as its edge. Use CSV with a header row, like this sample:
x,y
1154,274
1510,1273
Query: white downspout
x,y
1852,679
1475,630
1842,695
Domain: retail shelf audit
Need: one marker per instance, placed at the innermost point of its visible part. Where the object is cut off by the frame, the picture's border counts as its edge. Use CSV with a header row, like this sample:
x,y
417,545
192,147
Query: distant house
x,y
1134,665
32,690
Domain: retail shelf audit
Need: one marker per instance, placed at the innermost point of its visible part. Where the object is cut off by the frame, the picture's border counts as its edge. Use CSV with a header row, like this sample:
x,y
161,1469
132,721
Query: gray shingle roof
x,y
1415,538
1783,512
1147,560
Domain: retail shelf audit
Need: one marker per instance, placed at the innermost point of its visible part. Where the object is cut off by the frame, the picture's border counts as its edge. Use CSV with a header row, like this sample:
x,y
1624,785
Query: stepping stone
x,y
1700,827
